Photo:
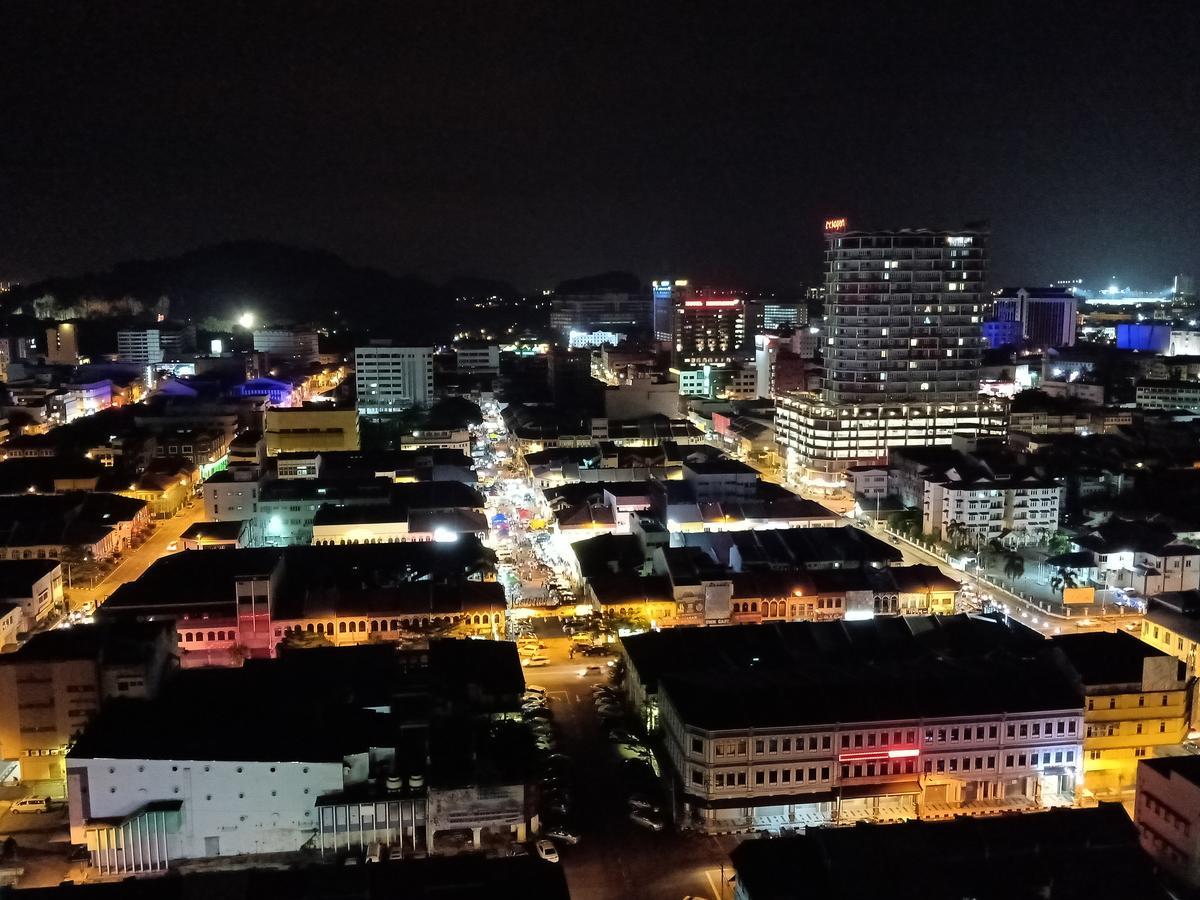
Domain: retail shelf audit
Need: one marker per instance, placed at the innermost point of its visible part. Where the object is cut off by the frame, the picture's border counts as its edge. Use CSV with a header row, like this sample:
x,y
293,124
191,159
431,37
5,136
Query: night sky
x,y
538,141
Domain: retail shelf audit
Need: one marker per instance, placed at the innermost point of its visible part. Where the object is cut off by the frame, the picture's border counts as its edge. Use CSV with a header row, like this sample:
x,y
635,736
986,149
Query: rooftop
x,y
17,576
1103,658
1066,854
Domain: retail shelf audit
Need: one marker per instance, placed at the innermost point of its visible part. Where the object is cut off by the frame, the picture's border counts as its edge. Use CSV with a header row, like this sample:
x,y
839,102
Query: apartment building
x,y
1136,704
1017,511
299,344
902,349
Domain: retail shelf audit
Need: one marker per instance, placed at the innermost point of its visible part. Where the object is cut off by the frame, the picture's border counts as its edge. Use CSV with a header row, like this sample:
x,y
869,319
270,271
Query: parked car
x,y
643,801
547,851
536,662
31,805
563,833
535,689
646,819
597,650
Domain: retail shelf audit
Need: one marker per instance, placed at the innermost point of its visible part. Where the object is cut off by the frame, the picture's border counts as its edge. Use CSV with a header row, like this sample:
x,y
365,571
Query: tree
x,y
1064,579
303,640
905,522
1014,566
1059,542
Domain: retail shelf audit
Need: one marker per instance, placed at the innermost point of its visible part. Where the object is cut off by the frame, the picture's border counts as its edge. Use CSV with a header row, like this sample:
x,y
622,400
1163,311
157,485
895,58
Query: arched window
x,y
362,626
374,625
187,637
310,628
342,627
476,620
395,624
383,625
754,607
487,620
353,627
212,636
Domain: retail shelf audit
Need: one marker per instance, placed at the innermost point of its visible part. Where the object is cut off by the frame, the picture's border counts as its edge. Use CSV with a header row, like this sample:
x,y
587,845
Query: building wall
x,y
392,379
229,808
310,430
948,762
1123,727
228,501
1167,812
43,705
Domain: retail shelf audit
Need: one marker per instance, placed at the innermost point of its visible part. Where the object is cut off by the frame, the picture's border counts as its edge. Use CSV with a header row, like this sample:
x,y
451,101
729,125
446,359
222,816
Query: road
x,y
137,561
615,858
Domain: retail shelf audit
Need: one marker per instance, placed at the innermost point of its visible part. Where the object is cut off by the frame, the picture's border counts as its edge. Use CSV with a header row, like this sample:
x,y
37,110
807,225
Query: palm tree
x,y
1064,579
1014,566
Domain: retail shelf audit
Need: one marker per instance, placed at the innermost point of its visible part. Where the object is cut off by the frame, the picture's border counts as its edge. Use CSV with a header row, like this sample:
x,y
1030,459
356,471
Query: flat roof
x,y
1103,658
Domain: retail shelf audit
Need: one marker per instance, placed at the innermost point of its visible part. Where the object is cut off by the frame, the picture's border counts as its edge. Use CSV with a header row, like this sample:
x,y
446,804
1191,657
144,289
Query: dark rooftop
x,y
112,642
1103,658
18,575
1066,854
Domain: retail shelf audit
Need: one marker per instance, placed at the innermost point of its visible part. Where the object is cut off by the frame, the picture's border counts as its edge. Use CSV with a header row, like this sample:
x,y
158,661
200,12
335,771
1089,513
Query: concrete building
x,y
1017,511
710,329
149,783
1153,393
477,357
975,719
642,397
729,382
902,349
312,428
141,346
35,585
664,295
1136,704
623,312
1047,316
62,345
1167,812
291,344
231,495
438,439
52,686
392,379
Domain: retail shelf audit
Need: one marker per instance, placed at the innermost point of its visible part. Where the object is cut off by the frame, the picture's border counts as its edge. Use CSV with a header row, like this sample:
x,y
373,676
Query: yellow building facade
x,y
310,429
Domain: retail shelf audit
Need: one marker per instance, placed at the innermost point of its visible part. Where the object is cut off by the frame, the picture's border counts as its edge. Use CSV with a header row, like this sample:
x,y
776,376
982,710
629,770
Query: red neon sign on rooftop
x,y
838,224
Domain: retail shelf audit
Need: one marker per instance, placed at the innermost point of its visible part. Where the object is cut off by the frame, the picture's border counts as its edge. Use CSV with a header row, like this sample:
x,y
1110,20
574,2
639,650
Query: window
x,y
759,777
697,744
824,773
697,777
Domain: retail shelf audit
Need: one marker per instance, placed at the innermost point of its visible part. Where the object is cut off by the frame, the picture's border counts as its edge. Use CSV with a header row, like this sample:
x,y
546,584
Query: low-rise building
x,y
438,439
312,428
409,747
73,525
35,585
1012,510
1167,812
231,495
52,686
1165,394
1136,703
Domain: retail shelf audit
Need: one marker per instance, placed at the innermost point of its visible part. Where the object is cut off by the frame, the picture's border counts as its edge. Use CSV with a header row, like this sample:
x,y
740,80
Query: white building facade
x,y
392,379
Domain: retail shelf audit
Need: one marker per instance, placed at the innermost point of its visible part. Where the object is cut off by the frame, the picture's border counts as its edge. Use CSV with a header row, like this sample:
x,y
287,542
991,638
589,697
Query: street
x,y
615,858
137,561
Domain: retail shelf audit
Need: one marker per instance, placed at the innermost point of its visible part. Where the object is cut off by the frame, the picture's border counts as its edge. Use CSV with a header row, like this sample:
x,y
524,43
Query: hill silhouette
x,y
280,284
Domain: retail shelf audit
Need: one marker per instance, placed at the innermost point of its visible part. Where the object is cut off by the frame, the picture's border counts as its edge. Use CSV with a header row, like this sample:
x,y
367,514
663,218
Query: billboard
x,y
1144,337
1079,596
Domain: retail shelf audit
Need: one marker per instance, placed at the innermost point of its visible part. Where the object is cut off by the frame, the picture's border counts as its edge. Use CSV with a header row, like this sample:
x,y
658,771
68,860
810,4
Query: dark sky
x,y
543,140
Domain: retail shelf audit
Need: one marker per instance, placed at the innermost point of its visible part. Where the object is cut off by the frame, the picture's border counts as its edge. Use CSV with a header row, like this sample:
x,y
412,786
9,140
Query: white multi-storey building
x,y
392,379
143,346
1020,511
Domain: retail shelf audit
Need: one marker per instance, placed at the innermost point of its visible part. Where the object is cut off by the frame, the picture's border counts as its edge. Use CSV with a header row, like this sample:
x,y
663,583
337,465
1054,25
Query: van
x,y
31,805
374,852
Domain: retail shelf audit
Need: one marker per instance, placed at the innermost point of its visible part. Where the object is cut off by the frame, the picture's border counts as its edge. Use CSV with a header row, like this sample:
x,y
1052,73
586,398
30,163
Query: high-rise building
x,y
1046,315
902,349
663,297
710,328
143,346
392,379
62,345
773,314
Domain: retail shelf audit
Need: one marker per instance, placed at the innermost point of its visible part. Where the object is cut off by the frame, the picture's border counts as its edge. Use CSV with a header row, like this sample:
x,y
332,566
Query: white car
x,y
535,662
31,805
547,851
